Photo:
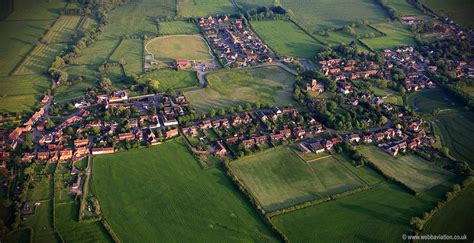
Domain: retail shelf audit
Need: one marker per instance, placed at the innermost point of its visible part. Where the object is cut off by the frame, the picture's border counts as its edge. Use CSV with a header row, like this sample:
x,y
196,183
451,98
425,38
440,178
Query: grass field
x,y
168,48
204,8
157,192
458,10
41,190
253,4
20,236
39,59
63,29
379,214
21,93
456,131
335,38
467,88
459,212
315,15
131,51
404,8
286,38
270,85
172,80
97,53
427,100
396,35
278,178
42,224
411,170
178,28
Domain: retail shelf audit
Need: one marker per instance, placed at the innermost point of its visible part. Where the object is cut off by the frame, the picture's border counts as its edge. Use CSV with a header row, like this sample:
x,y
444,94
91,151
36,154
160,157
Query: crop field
x,y
456,131
168,48
178,28
411,170
172,80
427,100
286,38
316,15
63,29
157,192
67,215
396,35
269,85
278,178
378,214
20,93
458,10
203,8
131,51
404,8
42,223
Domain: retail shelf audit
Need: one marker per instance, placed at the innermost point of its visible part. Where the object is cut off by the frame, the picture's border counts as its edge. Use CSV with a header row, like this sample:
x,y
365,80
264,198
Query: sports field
x,y
270,85
427,100
396,35
379,214
171,79
157,192
286,38
178,28
168,48
411,170
131,51
278,178
204,8
456,131
458,10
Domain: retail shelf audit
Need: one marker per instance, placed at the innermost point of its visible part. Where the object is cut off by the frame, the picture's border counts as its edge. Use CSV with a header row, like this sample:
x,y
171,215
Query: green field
x,y
270,85
172,80
381,214
411,170
63,29
315,15
178,28
427,100
396,35
168,48
41,189
458,10
456,131
42,224
131,51
158,192
286,38
278,178
204,8
21,93
336,38
253,4
404,8
459,211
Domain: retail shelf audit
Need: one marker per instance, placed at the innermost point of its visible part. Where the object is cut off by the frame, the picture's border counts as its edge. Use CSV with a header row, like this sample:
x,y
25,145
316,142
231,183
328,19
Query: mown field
x,y
396,35
270,85
168,48
427,100
286,38
157,192
411,170
130,51
171,79
178,28
456,131
458,10
278,178
382,213
62,30
204,8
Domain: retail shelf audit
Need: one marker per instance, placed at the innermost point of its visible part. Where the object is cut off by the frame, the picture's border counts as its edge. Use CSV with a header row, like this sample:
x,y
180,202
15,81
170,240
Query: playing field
x,y
396,35
456,131
278,178
286,38
204,8
171,79
168,48
271,85
411,170
379,214
427,100
158,192
131,51
178,28
458,10
316,15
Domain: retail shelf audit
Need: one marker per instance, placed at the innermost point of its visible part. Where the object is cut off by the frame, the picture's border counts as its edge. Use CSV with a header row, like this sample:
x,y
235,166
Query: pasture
x,y
411,170
404,8
456,131
396,35
168,48
269,85
278,178
97,53
62,30
253,4
177,28
130,51
42,223
323,14
286,38
427,100
171,80
21,93
39,59
458,10
382,213
204,8
161,190
335,38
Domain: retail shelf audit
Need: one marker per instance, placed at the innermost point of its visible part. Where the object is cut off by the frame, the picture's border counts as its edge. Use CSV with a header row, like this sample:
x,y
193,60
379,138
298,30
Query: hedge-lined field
x,y
131,51
168,48
404,8
458,10
171,79
21,93
278,178
63,29
411,170
427,100
396,35
270,85
204,8
42,223
286,38
157,192
39,59
178,28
